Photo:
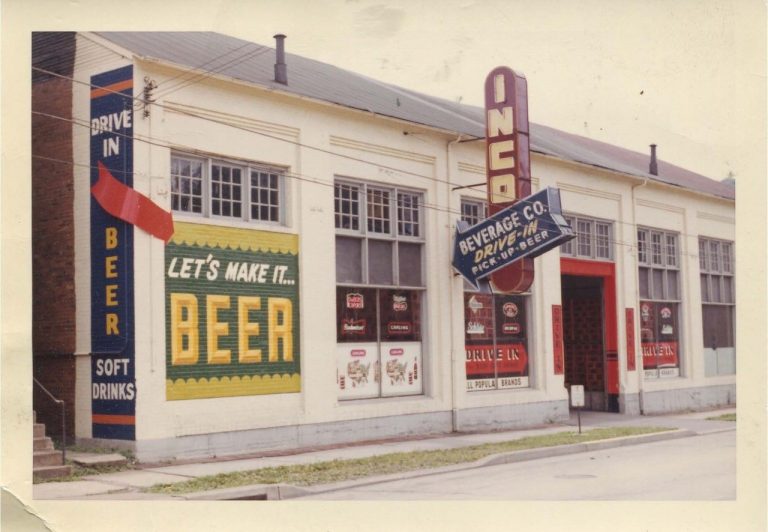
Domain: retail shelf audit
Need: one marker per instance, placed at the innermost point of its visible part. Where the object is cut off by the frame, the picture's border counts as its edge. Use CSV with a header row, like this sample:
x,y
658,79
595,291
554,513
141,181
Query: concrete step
x,y
96,459
46,472
42,444
45,458
38,430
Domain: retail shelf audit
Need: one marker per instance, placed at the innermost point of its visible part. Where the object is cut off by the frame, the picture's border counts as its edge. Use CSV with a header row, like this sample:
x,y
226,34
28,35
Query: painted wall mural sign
x,y
528,228
232,312
113,383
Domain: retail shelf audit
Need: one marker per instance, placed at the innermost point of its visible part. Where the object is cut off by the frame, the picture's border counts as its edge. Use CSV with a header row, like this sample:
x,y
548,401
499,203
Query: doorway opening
x,y
589,333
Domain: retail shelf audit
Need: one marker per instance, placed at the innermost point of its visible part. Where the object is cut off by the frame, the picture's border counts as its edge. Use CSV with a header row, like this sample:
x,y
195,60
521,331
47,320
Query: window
x,y
718,300
187,185
218,189
659,289
496,330
380,290
473,211
594,239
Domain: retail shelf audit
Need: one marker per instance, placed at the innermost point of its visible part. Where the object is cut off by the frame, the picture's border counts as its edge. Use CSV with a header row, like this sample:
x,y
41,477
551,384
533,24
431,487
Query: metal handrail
x,y
63,421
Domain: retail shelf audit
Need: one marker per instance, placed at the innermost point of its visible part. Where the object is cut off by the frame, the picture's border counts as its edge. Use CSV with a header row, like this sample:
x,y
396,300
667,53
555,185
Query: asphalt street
x,y
696,468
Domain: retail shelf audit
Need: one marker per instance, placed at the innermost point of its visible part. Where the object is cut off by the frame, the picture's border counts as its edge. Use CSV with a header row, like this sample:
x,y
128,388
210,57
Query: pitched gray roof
x,y
254,63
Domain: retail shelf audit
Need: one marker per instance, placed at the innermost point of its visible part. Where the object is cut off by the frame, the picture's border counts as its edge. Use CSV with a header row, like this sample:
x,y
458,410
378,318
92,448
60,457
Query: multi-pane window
x,y
473,211
659,287
495,330
347,206
380,290
187,185
216,188
718,305
594,239
265,195
226,190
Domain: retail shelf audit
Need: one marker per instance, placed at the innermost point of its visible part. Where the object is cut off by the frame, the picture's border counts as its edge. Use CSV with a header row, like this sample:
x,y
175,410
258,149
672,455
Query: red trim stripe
x,y
98,92
113,419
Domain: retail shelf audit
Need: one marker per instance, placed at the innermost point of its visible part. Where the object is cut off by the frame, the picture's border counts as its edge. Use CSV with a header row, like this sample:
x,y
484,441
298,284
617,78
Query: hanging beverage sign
x,y
113,382
526,229
508,160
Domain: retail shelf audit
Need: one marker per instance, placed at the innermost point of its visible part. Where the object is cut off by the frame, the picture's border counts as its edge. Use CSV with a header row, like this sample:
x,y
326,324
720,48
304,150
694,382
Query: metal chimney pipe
x,y
281,69
653,168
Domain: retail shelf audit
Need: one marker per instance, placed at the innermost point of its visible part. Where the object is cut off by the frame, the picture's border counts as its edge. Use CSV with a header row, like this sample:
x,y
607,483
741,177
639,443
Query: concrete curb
x,y
272,492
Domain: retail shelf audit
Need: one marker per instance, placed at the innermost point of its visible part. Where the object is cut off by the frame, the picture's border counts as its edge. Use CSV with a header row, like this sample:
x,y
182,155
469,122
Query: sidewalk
x,y
127,485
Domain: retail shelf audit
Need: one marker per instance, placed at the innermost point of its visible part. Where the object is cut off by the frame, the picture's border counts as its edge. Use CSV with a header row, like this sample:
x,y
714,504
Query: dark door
x,y
583,338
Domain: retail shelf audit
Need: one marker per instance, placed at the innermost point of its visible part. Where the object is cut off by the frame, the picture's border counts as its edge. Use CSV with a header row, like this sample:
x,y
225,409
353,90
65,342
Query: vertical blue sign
x,y
113,382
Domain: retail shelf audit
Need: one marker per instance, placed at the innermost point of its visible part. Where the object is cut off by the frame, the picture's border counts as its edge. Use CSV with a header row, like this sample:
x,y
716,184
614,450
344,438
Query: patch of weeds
x,y
724,417
341,470
79,472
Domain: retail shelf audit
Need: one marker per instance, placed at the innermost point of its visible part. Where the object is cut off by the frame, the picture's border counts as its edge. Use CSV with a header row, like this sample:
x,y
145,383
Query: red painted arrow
x,y
123,202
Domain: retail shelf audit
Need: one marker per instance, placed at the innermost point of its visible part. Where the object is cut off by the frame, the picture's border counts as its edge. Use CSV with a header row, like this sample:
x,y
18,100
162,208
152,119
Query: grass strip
x,y
341,470
724,417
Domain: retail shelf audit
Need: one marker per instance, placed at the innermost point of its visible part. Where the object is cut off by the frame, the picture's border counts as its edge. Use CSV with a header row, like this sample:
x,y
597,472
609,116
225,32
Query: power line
x,y
165,144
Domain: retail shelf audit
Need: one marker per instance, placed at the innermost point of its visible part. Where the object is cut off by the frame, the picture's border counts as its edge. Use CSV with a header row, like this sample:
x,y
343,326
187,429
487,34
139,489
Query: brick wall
x,y
53,252
57,374
53,237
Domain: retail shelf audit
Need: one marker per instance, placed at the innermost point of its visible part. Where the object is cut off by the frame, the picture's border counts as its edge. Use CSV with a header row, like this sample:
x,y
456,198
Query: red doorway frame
x,y
607,271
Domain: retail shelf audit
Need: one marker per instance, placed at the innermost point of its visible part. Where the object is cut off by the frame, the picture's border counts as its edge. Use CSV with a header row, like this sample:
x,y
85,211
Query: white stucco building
x,y
307,297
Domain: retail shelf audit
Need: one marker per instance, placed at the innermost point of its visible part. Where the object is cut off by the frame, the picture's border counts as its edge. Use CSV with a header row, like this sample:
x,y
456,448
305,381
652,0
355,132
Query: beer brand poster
x,y
379,342
659,339
400,312
113,382
232,312
506,365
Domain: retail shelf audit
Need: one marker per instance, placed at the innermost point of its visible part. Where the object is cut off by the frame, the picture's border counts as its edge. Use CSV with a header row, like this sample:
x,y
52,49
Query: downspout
x,y
653,170
637,296
452,345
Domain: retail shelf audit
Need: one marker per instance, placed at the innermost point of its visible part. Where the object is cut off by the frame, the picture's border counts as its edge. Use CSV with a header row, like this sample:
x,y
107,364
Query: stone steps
x,y
46,461
47,472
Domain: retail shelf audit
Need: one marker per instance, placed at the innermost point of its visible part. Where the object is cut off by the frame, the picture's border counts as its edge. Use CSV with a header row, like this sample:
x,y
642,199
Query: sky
x,y
687,76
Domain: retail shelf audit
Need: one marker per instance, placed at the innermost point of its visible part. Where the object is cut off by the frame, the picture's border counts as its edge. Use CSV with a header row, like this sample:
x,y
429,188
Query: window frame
x,y
395,239
527,301
246,169
719,273
645,259
572,248
659,251
392,235
714,269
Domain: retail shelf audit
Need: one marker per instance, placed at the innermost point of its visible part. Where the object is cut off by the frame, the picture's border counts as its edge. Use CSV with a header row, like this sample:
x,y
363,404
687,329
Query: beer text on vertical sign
x,y
630,322
557,338
508,160
113,382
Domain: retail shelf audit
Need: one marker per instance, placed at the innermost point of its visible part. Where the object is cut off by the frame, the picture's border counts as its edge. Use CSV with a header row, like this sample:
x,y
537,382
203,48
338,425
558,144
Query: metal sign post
x,y
577,400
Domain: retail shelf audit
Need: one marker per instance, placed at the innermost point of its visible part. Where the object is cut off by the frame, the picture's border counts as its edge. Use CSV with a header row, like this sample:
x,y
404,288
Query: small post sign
x,y
577,400
528,228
